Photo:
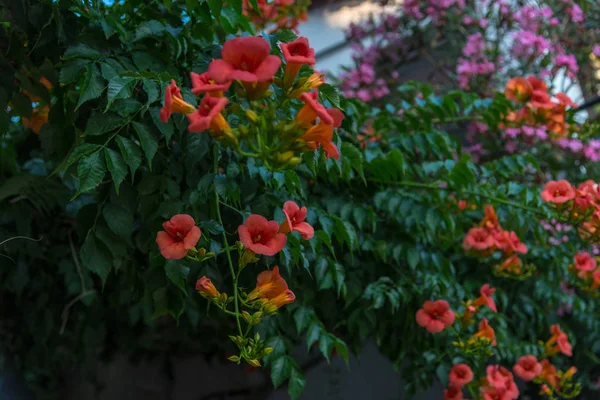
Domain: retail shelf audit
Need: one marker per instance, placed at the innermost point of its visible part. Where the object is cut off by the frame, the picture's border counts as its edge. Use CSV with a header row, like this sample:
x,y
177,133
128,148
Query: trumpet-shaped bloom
x,y
180,235
485,298
527,368
295,220
174,103
486,331
261,236
435,316
208,115
206,287
202,83
558,192
584,261
460,375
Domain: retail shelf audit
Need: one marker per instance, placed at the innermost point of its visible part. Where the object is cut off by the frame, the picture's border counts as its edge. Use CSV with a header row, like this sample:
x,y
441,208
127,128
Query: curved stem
x,y
234,276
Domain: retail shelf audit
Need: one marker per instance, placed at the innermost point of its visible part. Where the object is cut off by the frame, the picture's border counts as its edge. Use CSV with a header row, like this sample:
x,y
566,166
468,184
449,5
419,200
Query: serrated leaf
x,y
302,318
177,273
313,334
95,258
166,128
90,172
149,29
92,87
329,93
99,123
80,151
131,154
413,257
116,166
152,90
147,140
351,153
296,383
326,343
119,220
281,369
119,87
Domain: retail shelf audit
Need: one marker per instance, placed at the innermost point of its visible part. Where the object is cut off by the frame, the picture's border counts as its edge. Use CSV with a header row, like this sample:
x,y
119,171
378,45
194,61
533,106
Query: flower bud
x,y
252,116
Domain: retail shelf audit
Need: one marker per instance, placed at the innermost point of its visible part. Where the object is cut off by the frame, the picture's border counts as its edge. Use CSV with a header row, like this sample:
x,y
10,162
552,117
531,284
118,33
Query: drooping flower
x,y
454,392
584,261
282,299
498,376
558,192
549,373
322,134
269,284
512,264
208,116
486,331
180,235
174,103
485,298
261,236
202,83
206,287
245,59
460,375
435,316
559,342
490,219
518,89
296,54
312,109
527,368
509,243
294,220
478,239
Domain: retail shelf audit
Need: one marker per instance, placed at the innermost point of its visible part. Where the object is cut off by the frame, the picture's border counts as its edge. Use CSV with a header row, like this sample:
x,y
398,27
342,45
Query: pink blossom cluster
x,y
437,10
475,62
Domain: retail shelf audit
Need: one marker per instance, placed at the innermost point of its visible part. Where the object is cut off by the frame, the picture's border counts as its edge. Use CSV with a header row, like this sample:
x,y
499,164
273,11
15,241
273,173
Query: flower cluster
x,y
258,236
489,237
475,64
244,76
278,14
496,382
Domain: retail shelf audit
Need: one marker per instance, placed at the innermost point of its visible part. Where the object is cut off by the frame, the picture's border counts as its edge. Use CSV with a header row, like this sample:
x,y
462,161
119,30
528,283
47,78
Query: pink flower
x,y
294,221
596,50
245,59
180,235
497,376
435,316
584,261
509,242
478,239
209,115
174,103
460,375
201,83
261,236
298,52
311,110
454,392
527,368
558,192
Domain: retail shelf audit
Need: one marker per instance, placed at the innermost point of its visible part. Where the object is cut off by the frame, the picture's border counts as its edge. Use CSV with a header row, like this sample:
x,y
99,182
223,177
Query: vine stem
x,y
234,276
499,200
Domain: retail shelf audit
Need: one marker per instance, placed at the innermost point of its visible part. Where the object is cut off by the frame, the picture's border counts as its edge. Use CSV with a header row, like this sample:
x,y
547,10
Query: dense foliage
x,y
92,170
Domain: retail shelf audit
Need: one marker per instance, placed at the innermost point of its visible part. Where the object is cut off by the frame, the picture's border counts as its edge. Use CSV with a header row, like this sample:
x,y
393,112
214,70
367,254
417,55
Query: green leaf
x,y
152,90
116,166
281,370
95,258
302,317
413,257
329,93
131,153
351,153
326,343
177,273
432,219
296,383
119,220
215,8
166,128
149,29
90,172
22,104
92,87
119,87
341,349
99,123
229,20
313,334
212,226
147,140
80,151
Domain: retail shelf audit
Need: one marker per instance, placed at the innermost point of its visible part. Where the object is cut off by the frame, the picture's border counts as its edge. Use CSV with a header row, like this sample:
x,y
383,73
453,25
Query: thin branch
x,y
65,313
76,261
20,237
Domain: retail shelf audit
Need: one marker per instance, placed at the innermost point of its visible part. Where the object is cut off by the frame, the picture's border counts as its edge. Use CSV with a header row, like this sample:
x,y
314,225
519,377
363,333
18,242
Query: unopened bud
x,y
267,351
254,363
252,116
234,358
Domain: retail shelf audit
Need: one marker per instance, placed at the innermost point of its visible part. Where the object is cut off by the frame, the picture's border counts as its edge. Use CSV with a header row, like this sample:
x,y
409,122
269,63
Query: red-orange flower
x,y
296,54
565,100
269,284
509,243
38,118
435,316
527,368
502,384
486,331
558,192
202,83
180,235
549,373
245,59
460,374
208,115
511,264
294,220
559,342
322,134
311,110
518,89
584,261
261,236
454,392
174,103
206,287
485,298
478,239
490,219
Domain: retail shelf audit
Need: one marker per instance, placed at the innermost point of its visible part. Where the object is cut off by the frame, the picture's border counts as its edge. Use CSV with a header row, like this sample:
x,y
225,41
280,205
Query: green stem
x,y
231,269
230,206
430,186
